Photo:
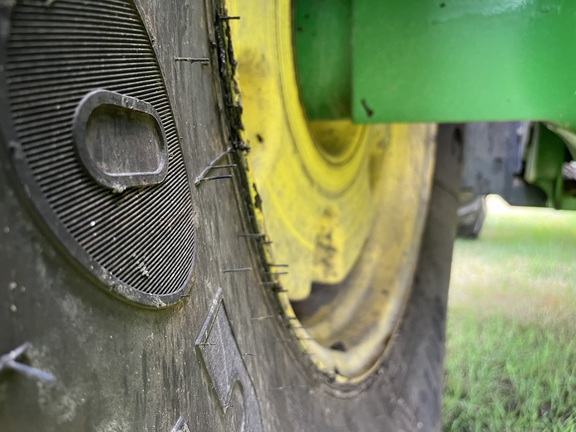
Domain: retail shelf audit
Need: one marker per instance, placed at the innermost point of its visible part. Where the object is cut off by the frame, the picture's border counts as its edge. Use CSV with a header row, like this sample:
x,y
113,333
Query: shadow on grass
x,y
511,354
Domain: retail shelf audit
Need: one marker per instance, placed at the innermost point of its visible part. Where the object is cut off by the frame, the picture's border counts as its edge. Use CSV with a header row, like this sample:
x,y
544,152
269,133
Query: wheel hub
x,y
343,205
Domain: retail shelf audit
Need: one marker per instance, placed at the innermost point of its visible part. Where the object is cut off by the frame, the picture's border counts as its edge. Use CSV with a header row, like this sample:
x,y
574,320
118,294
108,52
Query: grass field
x,y
511,343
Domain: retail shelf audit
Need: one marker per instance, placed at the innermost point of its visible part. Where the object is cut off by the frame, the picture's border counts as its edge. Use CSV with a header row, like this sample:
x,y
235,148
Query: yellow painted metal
x,y
343,204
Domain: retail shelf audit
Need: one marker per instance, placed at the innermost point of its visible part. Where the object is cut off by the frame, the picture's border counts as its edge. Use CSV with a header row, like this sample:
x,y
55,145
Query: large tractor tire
x,y
152,274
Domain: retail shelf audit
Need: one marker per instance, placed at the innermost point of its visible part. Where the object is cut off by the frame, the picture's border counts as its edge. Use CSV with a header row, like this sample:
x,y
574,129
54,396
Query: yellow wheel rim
x,y
344,205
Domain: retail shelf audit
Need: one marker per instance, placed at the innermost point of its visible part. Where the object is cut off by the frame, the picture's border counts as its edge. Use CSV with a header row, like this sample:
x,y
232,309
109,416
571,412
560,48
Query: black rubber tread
x,y
123,368
419,351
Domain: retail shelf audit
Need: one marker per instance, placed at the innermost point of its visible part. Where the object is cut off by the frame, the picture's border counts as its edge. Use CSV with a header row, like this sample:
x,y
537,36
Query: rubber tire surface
x,y
120,367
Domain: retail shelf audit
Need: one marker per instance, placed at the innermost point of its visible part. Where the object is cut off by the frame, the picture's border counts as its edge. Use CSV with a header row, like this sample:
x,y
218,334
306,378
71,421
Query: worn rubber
x,y
223,358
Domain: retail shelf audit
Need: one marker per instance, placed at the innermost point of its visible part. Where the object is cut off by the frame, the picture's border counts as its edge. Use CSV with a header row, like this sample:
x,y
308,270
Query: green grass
x,y
511,337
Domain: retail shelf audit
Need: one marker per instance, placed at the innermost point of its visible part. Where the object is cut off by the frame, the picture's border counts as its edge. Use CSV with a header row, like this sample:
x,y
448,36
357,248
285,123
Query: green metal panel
x,y
323,37
464,60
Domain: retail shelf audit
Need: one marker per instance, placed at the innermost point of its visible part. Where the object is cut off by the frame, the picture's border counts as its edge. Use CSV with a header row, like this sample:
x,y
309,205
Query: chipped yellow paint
x,y
343,204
